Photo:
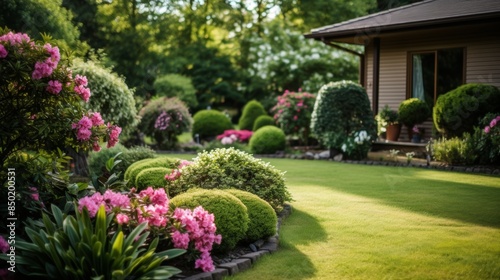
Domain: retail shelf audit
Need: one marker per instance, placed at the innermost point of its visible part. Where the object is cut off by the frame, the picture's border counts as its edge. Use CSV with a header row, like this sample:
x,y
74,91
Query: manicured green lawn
x,y
374,222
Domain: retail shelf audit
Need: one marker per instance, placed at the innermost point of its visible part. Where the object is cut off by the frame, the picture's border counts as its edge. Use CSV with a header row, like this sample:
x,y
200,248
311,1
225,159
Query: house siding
x,y
482,60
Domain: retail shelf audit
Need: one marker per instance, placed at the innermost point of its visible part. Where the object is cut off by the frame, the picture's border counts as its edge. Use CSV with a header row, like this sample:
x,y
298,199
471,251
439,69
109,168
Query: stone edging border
x,y
245,262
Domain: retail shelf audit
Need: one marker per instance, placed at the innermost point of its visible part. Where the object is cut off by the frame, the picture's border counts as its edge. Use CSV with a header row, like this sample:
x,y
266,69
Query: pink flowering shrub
x,y
46,105
186,229
235,135
293,113
488,143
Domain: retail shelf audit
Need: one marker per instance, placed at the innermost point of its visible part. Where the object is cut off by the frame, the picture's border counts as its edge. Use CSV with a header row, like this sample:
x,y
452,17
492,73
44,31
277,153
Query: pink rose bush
x,y
293,113
186,229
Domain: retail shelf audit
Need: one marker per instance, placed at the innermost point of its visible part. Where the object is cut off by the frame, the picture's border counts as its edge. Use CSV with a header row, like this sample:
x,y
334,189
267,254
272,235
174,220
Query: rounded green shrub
x,y
210,123
262,121
413,111
459,110
175,85
252,110
262,217
134,169
97,160
163,119
230,168
154,177
231,217
341,114
268,140
110,95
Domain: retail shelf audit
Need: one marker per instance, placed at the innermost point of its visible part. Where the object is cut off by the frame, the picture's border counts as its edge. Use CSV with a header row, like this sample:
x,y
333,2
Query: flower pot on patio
x,y
393,131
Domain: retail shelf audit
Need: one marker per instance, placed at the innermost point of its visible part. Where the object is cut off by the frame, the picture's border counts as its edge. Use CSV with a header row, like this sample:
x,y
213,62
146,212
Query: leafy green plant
x,y
152,177
217,144
164,119
231,216
230,168
262,121
459,110
210,123
110,95
342,109
252,110
413,111
175,85
455,151
386,117
268,140
75,247
262,217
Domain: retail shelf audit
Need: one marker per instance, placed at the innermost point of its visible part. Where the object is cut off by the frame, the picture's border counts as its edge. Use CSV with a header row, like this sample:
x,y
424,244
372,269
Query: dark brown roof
x,y
423,14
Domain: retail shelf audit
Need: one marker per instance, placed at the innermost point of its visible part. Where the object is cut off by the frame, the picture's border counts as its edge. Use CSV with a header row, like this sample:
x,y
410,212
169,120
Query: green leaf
x,y
171,253
117,247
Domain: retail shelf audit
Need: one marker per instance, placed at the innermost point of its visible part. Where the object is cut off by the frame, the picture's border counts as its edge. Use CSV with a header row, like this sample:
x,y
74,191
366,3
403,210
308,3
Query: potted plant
x,y
413,111
388,123
418,134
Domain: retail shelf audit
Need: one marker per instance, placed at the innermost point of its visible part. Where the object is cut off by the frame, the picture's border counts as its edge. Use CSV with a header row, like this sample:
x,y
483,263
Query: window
x,y
432,73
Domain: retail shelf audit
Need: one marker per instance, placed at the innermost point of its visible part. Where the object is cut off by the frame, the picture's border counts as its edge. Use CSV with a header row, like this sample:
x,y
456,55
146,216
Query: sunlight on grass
x,y
373,222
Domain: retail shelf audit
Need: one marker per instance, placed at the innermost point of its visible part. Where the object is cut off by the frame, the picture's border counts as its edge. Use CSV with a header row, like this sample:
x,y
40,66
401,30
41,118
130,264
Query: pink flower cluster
x,y
293,112
187,229
45,68
4,245
81,87
111,200
240,135
200,229
88,127
12,39
493,123
176,173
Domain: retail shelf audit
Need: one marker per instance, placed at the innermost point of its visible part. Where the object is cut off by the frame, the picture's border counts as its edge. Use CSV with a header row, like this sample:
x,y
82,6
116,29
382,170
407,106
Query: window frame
x,y
409,68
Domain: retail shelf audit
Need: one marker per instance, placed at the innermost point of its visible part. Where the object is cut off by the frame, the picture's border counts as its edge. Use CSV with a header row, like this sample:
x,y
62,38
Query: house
x,y
423,49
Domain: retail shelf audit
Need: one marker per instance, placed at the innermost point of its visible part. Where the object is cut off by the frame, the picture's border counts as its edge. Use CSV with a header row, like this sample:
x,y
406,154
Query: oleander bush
x,y
230,168
164,119
460,110
152,177
252,110
262,217
134,169
262,121
268,140
210,123
231,216
342,119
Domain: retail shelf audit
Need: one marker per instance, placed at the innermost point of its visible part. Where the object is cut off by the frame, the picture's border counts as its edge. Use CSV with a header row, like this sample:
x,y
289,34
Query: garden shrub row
x,y
132,172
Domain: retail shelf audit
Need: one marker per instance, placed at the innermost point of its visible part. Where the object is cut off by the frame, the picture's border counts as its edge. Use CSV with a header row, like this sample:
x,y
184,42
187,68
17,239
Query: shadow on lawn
x,y
299,228
472,203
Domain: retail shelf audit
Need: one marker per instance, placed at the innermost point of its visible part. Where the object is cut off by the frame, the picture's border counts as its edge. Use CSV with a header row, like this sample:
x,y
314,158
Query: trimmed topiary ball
x,y
230,168
413,111
134,169
210,123
268,140
342,113
263,219
459,110
110,95
262,121
251,112
152,177
231,217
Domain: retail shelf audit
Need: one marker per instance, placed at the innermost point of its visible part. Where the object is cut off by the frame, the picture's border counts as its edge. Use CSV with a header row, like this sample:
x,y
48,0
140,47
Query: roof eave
x,y
373,31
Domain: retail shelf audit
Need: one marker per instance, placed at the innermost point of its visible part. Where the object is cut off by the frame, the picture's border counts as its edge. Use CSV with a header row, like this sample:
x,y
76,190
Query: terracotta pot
x,y
393,131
